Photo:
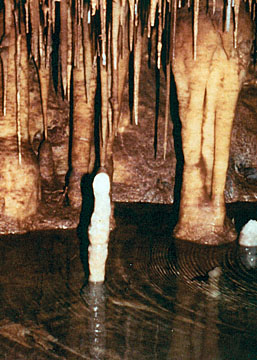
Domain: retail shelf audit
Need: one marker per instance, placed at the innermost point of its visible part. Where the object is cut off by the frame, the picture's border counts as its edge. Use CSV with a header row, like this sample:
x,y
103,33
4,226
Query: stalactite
x,y
109,80
26,6
64,43
43,72
167,111
213,6
153,7
41,44
131,23
4,53
115,76
236,12
69,51
35,23
18,81
77,38
104,112
196,15
75,44
87,52
250,5
228,14
122,25
159,40
170,34
103,30
94,5
164,14
48,27
174,22
137,66
104,63
136,14
53,14
5,43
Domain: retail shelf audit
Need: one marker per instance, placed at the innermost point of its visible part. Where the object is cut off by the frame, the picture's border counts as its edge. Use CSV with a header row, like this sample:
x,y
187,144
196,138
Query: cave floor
x,y
159,301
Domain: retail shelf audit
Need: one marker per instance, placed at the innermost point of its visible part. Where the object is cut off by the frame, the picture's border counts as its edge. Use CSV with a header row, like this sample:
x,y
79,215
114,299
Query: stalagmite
x,y
248,245
248,235
91,40
99,228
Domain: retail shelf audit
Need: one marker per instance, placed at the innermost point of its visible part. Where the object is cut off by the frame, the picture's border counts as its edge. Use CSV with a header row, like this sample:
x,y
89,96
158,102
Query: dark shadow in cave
x,y
174,111
55,49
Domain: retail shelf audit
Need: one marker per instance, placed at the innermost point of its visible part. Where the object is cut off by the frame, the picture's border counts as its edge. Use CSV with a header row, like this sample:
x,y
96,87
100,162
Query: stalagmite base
x,y
99,228
207,89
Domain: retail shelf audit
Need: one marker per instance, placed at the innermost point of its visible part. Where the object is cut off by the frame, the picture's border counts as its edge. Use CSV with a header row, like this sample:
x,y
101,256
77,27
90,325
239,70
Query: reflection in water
x,y
94,296
162,299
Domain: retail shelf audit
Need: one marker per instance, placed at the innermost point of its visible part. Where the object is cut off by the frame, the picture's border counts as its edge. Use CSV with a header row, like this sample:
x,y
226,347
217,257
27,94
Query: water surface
x,y
161,299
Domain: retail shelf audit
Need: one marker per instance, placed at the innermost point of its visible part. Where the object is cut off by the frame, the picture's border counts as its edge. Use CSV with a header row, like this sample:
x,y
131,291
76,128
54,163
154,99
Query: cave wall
x,y
141,174
128,127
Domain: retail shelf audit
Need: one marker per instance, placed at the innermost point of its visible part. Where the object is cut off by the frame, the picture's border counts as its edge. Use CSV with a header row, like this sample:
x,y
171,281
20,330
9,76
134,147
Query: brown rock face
x,y
20,183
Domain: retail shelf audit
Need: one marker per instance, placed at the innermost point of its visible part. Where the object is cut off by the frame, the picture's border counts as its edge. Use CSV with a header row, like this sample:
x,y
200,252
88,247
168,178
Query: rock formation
x,y
66,69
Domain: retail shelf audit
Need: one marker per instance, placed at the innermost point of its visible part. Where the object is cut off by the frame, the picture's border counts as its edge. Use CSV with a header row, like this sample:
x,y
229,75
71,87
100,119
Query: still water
x,y
162,299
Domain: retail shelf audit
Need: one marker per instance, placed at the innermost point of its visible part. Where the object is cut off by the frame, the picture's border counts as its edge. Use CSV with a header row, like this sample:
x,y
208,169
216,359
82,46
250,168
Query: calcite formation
x,y
99,228
89,51
207,88
248,235
20,182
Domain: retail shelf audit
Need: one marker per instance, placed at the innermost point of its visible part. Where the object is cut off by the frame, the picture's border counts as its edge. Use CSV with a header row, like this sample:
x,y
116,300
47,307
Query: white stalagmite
x,y
248,235
99,228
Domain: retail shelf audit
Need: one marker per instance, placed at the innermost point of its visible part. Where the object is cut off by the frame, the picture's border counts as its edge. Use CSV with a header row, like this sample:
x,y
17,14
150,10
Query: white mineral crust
x,y
99,228
248,235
